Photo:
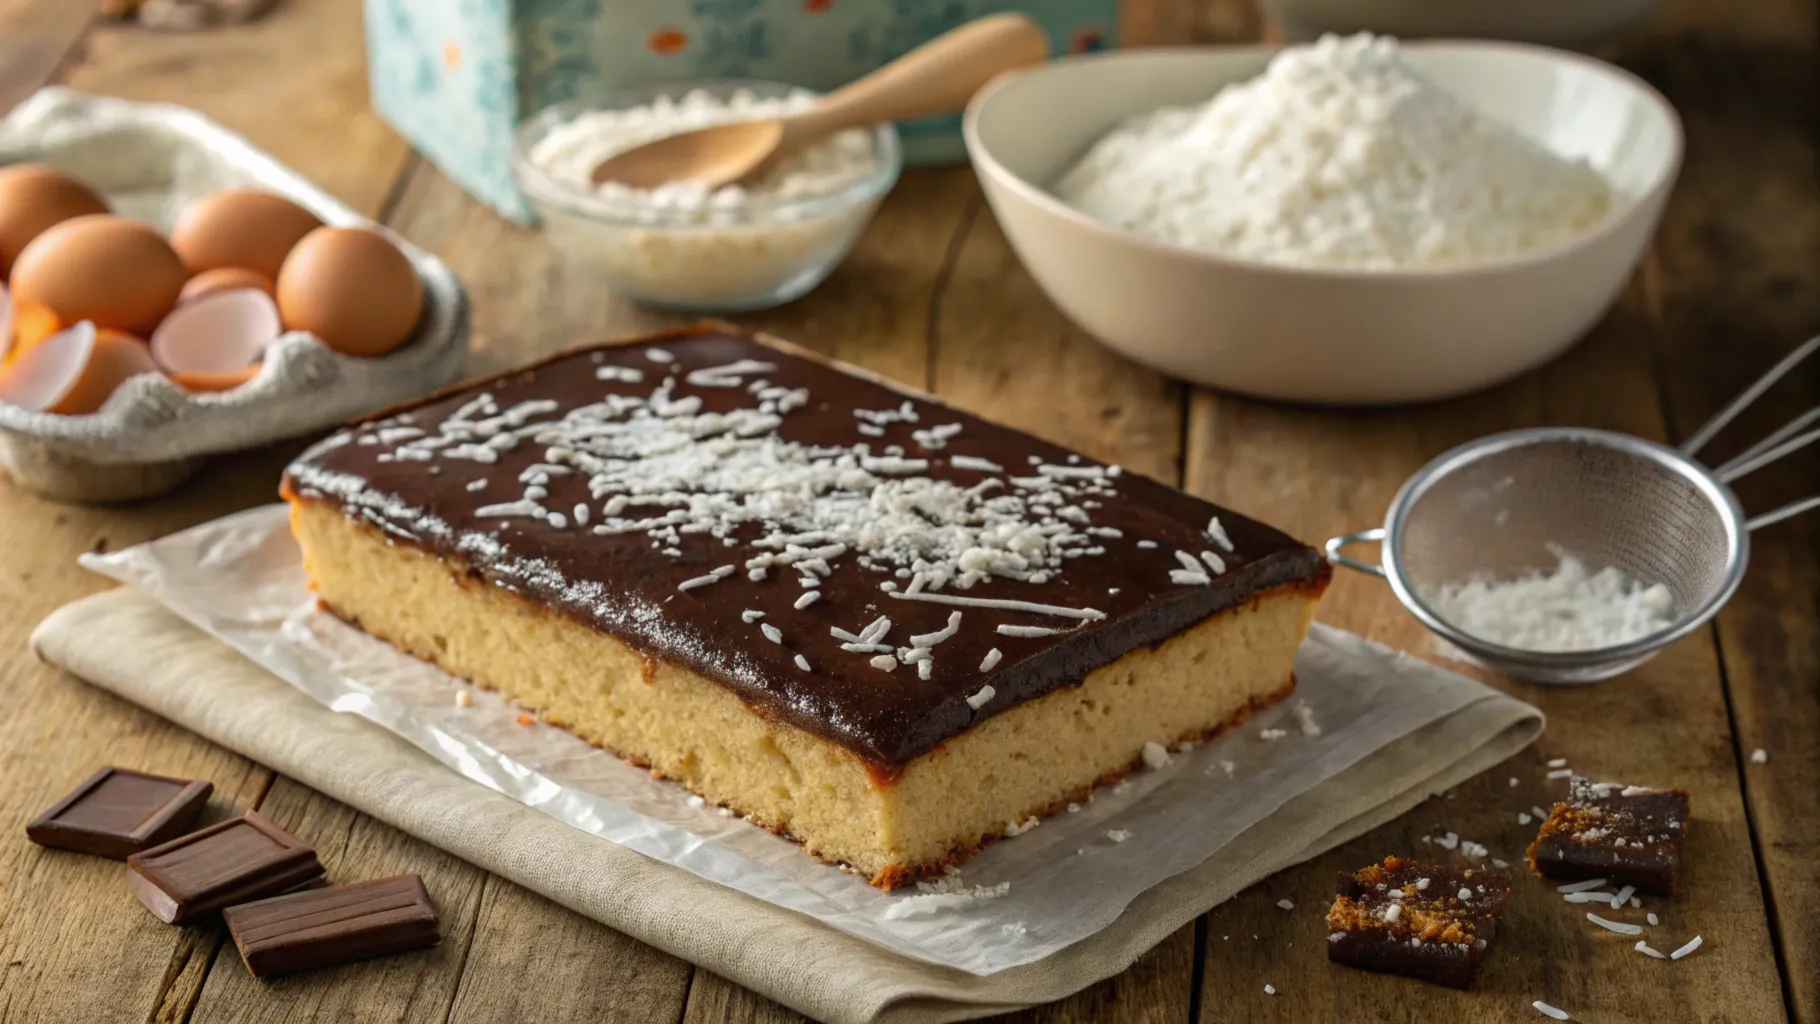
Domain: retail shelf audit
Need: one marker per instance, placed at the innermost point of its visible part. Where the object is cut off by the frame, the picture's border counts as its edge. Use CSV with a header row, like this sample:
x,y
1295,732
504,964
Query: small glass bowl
x,y
756,256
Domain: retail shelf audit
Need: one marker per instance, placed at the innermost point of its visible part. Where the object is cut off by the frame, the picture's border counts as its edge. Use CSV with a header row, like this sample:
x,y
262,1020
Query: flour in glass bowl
x,y
737,247
571,152
1339,156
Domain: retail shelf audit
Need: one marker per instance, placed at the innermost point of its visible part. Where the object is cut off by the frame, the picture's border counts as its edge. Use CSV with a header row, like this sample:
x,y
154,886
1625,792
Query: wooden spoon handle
x,y
937,77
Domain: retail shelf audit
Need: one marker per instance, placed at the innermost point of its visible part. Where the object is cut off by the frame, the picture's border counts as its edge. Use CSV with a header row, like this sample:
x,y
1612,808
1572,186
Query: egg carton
x,y
150,161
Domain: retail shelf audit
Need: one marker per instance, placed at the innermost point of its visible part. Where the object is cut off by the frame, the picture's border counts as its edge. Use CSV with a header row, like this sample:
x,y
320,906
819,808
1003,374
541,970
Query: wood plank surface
x,y
1734,285
932,296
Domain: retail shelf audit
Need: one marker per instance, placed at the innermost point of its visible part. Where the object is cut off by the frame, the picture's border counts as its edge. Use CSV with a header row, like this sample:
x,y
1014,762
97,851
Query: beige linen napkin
x,y
159,662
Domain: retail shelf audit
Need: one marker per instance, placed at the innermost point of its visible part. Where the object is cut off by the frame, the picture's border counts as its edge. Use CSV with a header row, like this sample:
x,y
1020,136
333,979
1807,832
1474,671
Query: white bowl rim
x,y
1607,226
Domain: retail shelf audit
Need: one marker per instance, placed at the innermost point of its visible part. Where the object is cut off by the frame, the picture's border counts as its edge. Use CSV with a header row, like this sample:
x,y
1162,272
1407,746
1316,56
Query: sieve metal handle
x,y
1336,554
1784,440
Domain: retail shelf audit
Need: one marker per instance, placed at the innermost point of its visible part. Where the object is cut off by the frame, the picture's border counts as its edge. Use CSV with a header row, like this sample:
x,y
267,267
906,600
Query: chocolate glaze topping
x,y
681,590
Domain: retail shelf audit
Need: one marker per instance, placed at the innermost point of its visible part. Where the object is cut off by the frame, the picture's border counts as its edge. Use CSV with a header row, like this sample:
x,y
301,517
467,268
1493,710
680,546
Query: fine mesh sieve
x,y
1506,505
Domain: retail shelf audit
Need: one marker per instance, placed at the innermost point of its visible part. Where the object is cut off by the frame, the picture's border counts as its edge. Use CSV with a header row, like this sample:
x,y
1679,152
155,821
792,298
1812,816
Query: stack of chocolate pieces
x,y
246,868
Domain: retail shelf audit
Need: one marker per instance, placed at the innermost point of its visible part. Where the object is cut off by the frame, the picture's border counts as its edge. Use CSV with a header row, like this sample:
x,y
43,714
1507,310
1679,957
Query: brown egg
x,y
33,198
241,227
351,288
118,356
225,279
117,272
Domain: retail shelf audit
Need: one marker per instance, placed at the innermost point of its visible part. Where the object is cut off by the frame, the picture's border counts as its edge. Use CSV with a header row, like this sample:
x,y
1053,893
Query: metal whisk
x,y
1499,507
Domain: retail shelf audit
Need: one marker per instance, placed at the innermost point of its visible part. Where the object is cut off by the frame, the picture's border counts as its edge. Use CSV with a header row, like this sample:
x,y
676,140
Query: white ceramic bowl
x,y
1368,337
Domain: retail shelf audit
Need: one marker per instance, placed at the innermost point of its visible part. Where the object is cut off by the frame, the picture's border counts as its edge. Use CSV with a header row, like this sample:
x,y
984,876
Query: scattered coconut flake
x,y
803,663
1643,947
1513,782
1652,918
751,615
772,633
1007,629
1617,901
464,699
1558,762
808,598
1270,990
1590,883
1118,835
1286,904
1615,926
990,660
1218,533
1540,814
1523,818
1561,773
1759,756
1392,912
1155,756
979,699
1692,944
660,355
1465,893
1496,863
1550,1011
884,662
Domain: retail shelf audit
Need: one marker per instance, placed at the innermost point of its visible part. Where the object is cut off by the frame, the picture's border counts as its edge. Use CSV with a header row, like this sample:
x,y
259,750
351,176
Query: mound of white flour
x,y
1339,155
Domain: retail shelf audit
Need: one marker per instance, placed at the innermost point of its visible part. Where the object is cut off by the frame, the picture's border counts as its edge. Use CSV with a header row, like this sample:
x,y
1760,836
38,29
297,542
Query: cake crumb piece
x,y
1017,828
1155,756
696,801
526,720
1273,734
464,699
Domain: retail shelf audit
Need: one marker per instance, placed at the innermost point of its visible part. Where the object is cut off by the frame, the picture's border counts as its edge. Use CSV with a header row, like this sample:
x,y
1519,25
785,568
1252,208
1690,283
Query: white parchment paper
x,y
240,579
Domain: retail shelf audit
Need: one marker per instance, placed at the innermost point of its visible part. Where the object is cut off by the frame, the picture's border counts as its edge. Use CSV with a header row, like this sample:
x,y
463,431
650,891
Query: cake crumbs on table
x,y
526,720
1155,756
1117,835
463,698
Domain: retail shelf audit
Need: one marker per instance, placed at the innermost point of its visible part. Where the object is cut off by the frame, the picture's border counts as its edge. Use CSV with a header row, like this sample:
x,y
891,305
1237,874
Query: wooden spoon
x,y
938,77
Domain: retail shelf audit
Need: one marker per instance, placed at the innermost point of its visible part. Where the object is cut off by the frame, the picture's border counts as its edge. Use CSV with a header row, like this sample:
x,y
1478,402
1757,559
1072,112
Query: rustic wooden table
x,y
933,296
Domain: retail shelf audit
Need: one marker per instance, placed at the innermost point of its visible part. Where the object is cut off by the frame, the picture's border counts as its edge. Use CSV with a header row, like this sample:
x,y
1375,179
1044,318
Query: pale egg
x,y
224,279
225,332
353,289
33,198
241,227
73,372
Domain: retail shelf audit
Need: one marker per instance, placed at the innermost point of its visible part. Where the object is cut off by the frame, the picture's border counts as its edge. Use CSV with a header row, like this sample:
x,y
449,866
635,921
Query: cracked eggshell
x,y
219,333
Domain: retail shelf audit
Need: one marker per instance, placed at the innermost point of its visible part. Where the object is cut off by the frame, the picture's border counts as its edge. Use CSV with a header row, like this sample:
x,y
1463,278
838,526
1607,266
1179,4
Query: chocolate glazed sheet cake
x,y
882,627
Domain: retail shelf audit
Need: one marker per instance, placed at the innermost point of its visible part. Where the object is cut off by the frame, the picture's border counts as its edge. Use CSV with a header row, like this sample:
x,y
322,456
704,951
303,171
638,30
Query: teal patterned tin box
x,y
456,76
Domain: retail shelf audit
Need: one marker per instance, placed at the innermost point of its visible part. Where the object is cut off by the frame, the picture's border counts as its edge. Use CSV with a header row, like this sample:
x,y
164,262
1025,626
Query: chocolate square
x,y
236,861
337,925
1427,921
1629,834
118,812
